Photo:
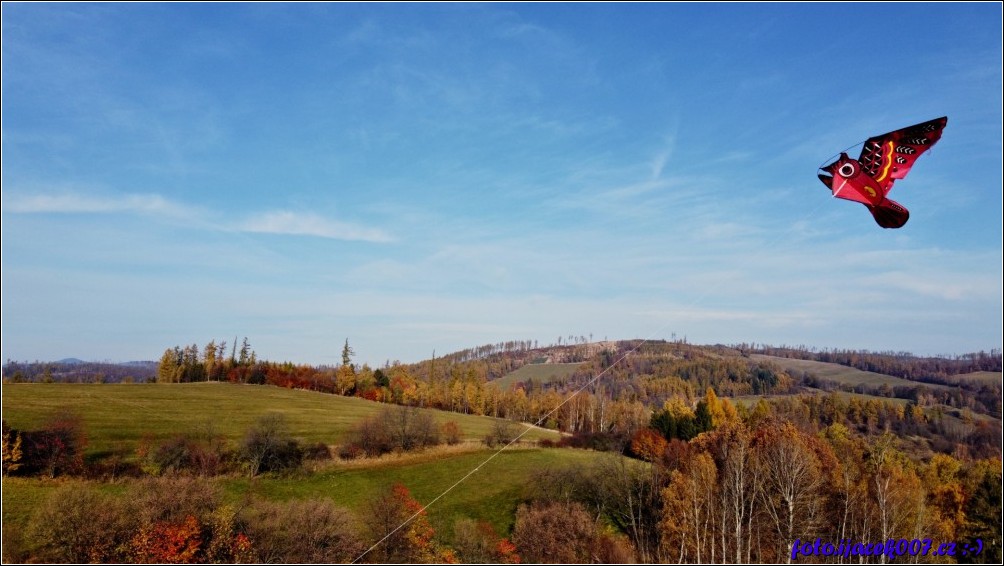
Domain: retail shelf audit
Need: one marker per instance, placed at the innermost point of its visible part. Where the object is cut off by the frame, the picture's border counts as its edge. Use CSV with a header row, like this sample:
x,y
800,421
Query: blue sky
x,y
429,177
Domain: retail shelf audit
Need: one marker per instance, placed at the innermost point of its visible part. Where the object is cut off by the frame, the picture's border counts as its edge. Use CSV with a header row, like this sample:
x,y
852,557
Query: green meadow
x,y
473,481
117,417
486,484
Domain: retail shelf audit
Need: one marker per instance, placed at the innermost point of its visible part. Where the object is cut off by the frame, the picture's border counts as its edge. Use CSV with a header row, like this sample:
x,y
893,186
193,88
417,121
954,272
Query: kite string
x,y
835,155
594,379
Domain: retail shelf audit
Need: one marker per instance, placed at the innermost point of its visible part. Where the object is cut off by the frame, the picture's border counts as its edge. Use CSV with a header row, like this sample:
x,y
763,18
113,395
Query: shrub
x,y
452,433
268,446
554,533
402,528
350,451
12,453
316,451
172,499
398,428
503,432
301,532
174,454
78,525
168,543
476,542
56,449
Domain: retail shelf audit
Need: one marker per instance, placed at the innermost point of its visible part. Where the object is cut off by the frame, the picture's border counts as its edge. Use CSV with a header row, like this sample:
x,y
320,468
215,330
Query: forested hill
x,y
654,371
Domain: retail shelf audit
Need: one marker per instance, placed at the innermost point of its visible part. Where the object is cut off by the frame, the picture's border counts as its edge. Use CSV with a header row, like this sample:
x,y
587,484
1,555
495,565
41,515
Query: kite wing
x,y
890,156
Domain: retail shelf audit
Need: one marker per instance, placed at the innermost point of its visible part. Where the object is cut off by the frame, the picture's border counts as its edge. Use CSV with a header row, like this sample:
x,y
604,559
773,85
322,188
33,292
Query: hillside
x,y
844,375
539,373
117,417
654,415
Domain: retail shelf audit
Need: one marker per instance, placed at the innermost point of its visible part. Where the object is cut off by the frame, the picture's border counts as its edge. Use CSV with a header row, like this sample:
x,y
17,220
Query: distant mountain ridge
x,y
75,370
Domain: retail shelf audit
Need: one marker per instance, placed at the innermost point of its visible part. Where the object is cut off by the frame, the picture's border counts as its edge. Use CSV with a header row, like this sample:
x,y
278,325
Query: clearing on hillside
x,y
541,373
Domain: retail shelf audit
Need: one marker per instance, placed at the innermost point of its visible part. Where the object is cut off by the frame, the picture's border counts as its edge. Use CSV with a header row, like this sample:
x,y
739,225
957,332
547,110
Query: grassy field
x,y
983,377
117,417
541,373
843,374
491,493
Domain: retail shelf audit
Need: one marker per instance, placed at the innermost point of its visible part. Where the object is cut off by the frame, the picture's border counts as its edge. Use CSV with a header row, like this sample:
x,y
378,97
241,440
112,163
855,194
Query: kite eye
x,y
847,170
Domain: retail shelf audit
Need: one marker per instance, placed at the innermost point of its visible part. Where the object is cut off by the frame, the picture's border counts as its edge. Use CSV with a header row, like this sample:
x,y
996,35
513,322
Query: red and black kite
x,y
884,159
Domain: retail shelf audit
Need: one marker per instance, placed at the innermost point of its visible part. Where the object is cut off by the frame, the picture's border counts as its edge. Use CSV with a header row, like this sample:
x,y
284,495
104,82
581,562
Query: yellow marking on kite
x,y
870,191
888,164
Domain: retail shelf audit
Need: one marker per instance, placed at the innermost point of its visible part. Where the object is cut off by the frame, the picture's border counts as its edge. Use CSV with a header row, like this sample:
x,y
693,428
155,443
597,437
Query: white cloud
x,y
276,222
306,224
72,203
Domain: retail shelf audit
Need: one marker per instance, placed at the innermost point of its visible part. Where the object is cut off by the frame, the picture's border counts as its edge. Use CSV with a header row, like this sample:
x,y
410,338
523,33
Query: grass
x,y
842,374
117,417
983,377
541,373
491,493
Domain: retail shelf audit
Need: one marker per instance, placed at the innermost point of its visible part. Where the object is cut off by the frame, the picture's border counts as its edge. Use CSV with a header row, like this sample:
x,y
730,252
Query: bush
x,y
476,542
78,525
452,433
503,432
172,499
199,455
317,451
301,532
56,449
555,533
12,453
398,428
268,446
599,441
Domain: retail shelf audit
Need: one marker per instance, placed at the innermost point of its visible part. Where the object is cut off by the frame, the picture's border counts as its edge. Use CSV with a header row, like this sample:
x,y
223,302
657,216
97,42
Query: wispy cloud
x,y
306,224
274,222
75,203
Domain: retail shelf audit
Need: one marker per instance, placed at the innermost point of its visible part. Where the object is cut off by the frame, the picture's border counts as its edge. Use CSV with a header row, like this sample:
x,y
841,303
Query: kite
x,y
884,159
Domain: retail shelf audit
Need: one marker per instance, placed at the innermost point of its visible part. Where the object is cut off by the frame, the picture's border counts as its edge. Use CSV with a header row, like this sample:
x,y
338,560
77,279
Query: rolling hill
x,y
117,417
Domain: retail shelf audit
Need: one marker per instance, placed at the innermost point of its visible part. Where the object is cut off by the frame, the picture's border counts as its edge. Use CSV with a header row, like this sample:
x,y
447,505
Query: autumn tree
x,y
628,493
983,517
648,444
731,448
12,453
400,530
896,489
169,370
792,483
212,355
345,375
690,517
850,486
